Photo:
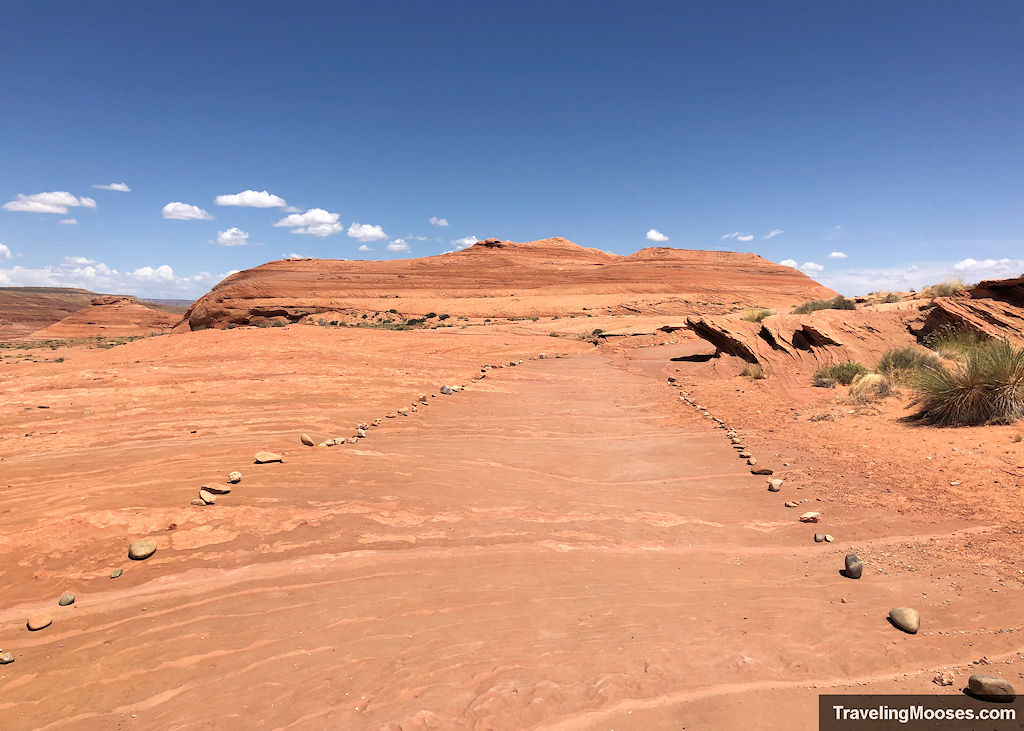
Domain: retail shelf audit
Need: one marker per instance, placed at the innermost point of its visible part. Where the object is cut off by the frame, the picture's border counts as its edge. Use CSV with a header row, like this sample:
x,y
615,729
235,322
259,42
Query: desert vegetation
x,y
836,303
946,288
842,373
986,388
900,365
752,370
756,314
954,342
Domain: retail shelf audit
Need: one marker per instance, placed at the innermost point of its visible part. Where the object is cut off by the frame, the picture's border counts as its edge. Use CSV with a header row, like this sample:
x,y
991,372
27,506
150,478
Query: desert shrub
x,y
443,317
752,370
987,388
429,315
393,312
823,381
954,342
277,323
836,303
756,314
900,364
944,289
869,386
890,298
843,373
261,323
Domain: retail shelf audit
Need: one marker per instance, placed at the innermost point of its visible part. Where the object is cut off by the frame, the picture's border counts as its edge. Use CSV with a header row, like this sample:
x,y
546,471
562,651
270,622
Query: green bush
x,y
891,297
944,289
836,303
756,314
987,388
900,364
843,373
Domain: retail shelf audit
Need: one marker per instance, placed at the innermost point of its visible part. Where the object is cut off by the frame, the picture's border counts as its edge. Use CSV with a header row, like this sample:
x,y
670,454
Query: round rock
x,y
115,573
446,390
990,687
818,538
854,568
39,621
906,619
234,477
306,439
66,599
143,548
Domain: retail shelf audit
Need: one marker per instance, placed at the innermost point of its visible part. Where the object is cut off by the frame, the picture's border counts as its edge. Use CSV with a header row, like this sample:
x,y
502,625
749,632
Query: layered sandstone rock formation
x,y
993,307
26,309
507,279
111,315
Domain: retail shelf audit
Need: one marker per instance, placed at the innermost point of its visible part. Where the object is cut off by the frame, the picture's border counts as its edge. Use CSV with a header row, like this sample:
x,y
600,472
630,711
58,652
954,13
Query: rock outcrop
x,y
24,310
507,279
993,307
111,315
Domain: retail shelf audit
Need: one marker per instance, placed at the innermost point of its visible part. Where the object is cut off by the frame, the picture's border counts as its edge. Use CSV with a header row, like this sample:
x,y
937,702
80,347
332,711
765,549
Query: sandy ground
x,y
562,545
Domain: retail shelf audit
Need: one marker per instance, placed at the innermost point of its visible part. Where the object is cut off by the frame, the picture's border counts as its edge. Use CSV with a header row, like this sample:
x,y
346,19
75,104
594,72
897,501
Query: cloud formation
x,y
233,236
745,237
773,233
178,211
80,271
366,232
57,201
739,236
656,235
438,221
808,267
68,221
464,243
837,255
364,247
314,222
120,187
398,245
251,199
5,253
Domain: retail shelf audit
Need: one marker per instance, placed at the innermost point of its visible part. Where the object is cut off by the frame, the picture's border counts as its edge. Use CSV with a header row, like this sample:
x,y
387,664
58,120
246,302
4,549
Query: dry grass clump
x,y
987,388
870,387
900,364
954,342
836,303
756,314
944,289
752,370
843,373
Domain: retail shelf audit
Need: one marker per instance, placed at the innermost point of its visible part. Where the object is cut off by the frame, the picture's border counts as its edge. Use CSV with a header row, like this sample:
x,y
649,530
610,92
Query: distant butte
x,y
495,278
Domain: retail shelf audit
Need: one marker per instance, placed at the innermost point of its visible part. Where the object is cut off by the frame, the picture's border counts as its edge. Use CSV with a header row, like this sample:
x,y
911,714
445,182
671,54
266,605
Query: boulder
x,y
141,549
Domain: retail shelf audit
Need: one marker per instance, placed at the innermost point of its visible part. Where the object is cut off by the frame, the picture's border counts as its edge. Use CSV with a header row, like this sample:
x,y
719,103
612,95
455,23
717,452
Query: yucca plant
x,y
987,388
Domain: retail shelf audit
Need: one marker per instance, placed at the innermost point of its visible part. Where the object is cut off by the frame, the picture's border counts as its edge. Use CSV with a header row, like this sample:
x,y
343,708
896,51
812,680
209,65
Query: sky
x,y
154,148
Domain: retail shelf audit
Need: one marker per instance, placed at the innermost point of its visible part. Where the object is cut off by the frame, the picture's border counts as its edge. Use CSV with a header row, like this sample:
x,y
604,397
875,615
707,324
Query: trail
x,y
562,545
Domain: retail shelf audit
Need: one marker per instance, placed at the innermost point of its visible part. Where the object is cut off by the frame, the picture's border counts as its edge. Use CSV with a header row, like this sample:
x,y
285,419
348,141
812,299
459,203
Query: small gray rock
x,y
774,485
115,573
854,568
143,548
751,461
818,538
829,538
991,687
6,658
905,618
66,599
446,390
234,477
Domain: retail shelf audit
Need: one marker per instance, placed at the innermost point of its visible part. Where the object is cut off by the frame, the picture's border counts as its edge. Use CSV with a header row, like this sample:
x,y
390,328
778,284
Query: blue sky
x,y
892,133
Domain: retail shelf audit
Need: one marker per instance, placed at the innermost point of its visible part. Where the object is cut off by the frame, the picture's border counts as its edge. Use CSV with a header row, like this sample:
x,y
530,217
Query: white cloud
x,y
733,235
656,235
314,222
745,237
809,267
178,211
438,221
293,255
233,236
57,201
121,187
398,245
788,263
464,243
366,232
364,247
990,268
916,276
252,199
79,271
68,221
837,255
5,253
773,233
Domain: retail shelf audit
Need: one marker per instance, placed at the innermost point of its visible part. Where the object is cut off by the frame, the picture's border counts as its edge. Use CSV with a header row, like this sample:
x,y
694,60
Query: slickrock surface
x,y
111,315
24,310
507,279
561,545
994,307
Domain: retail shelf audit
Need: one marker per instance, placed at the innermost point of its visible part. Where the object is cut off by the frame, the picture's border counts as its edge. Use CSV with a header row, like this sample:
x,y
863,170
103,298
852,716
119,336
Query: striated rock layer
x,y
507,279
112,315
26,309
993,307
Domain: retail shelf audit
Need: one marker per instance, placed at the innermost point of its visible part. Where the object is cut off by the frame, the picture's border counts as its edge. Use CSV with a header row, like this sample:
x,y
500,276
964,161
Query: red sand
x,y
562,545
